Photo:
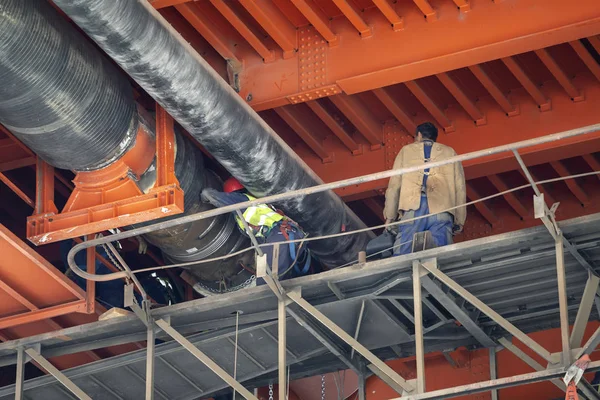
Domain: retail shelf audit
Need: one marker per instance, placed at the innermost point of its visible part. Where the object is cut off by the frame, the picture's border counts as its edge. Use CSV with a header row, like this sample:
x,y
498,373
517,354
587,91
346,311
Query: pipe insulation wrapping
x,y
65,100
61,97
166,66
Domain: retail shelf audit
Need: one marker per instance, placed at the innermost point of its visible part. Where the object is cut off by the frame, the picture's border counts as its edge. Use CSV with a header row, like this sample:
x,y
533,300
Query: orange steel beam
x,y
16,189
335,127
392,16
244,30
499,130
573,186
292,120
460,42
511,198
544,103
275,23
463,5
483,209
208,30
426,9
318,19
397,111
78,306
586,57
487,82
435,111
166,3
462,98
361,118
44,197
592,162
364,30
560,75
595,41
17,296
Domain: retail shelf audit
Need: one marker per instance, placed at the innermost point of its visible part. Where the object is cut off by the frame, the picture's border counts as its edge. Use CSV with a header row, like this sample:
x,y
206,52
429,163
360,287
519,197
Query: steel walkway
x,y
513,273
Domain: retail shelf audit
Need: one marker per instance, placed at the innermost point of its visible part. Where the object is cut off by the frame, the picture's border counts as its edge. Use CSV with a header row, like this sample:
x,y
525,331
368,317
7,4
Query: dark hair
x,y
428,131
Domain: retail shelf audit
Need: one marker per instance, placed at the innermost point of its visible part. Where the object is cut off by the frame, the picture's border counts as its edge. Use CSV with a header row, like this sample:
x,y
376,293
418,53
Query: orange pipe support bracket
x,y
110,197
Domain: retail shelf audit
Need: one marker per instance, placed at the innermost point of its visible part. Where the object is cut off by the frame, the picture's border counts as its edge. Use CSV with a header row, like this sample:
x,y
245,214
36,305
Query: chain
x,y
322,387
248,282
270,391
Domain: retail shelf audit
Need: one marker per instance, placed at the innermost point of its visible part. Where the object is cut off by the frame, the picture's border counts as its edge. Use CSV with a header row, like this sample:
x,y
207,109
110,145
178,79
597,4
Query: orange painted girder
x,y
440,374
490,30
499,130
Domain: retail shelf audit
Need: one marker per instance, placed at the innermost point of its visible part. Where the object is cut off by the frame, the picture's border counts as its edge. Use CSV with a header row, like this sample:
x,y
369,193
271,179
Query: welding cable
x,y
103,278
314,238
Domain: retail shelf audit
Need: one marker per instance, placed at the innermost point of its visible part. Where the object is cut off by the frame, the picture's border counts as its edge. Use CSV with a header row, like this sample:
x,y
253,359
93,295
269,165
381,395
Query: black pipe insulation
x,y
167,67
69,104
61,98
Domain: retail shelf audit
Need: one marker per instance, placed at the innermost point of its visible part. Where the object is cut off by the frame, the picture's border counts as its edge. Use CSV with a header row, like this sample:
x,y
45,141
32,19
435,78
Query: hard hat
x,y
232,185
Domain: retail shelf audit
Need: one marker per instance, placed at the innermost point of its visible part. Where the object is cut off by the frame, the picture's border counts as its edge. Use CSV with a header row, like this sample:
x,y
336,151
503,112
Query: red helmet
x,y
232,185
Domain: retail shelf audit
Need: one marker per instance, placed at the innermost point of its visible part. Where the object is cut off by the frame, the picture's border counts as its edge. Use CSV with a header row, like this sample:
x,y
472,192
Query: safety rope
x,y
354,232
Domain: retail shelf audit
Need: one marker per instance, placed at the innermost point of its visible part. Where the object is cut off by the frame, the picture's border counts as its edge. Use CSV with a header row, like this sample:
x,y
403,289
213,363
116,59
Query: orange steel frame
x,y
109,198
83,302
364,45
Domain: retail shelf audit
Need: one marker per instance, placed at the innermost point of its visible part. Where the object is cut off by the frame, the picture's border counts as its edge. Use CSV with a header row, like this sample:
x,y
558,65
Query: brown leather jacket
x,y
445,185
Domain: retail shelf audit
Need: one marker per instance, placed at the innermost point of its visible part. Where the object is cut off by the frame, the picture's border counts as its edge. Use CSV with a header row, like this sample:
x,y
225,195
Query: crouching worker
x,y
268,226
429,191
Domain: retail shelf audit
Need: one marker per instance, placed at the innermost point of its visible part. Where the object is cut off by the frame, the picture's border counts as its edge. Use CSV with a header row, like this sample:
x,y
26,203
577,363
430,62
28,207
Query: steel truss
x,y
438,271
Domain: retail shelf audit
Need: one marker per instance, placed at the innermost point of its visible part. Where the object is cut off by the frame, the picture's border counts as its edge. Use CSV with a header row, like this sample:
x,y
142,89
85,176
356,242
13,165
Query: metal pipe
x,y
312,190
183,83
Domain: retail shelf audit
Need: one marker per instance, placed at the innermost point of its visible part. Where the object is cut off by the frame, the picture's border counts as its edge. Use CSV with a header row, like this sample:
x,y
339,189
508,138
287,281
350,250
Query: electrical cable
x,y
315,238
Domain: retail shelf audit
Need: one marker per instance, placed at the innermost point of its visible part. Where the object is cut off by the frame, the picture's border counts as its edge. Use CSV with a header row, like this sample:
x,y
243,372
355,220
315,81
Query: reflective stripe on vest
x,y
260,215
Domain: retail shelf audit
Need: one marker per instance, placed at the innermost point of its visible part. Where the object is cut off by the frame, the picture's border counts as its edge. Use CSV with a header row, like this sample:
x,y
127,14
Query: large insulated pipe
x,y
70,105
165,65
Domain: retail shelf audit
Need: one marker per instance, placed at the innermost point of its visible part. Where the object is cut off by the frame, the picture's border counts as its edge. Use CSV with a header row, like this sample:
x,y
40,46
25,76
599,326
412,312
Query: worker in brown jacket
x,y
428,191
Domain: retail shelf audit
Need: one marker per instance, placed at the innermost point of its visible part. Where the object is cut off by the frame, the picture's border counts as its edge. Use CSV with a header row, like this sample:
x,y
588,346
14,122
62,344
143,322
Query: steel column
x,y
418,320
399,383
513,330
204,359
150,347
562,300
45,364
282,347
493,371
20,374
584,311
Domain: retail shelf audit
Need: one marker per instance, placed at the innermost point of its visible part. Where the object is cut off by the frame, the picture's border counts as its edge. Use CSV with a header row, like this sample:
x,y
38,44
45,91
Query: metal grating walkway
x,y
512,273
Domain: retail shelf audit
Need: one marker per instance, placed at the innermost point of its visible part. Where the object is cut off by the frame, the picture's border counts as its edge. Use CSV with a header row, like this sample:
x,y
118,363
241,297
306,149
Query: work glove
x,y
208,196
393,229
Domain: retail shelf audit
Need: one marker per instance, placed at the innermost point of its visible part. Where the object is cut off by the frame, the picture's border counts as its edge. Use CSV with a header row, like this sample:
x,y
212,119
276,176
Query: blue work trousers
x,y
440,226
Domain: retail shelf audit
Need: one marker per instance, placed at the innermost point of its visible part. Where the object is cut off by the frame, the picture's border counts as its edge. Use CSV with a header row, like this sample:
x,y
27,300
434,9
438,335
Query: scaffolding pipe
x,y
312,190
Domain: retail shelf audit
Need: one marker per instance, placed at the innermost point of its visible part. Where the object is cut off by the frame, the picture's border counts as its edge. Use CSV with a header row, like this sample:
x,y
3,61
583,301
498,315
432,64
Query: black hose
x,y
60,97
166,66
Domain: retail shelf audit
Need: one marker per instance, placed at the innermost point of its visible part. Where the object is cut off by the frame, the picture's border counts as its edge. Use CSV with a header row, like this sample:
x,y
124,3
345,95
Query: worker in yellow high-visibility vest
x,y
268,226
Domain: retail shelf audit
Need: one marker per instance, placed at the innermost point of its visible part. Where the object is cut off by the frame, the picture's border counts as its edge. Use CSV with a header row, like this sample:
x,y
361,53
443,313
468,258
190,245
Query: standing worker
x,y
268,226
428,191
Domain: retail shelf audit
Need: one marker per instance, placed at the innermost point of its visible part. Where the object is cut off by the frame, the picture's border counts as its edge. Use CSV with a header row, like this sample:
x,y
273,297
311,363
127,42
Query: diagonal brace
x,y
387,373
457,312
325,341
213,366
505,324
62,378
